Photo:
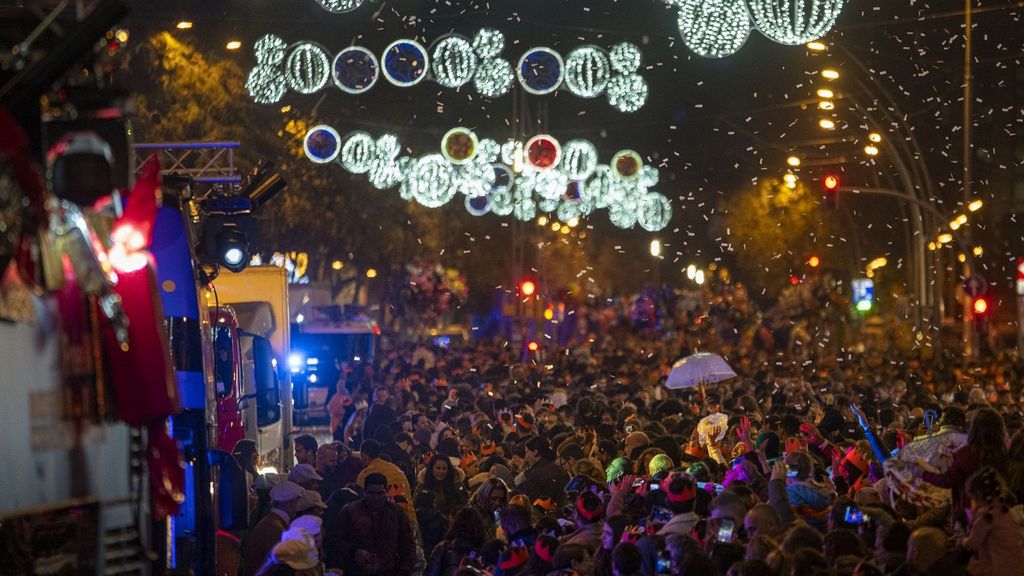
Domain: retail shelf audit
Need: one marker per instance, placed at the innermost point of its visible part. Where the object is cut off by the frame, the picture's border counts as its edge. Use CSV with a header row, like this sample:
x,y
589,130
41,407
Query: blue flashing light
x,y
295,363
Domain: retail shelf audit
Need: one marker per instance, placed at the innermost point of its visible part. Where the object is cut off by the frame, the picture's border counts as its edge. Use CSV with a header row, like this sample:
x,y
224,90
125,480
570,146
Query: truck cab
x,y
258,300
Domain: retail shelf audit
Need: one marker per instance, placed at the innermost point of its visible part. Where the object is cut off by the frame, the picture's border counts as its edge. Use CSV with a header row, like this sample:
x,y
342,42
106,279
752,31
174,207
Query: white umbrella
x,y
697,370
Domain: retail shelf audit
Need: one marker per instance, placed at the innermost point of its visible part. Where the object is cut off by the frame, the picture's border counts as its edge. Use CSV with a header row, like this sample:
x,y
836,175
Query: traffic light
x,y
794,279
814,261
979,307
527,288
532,346
830,182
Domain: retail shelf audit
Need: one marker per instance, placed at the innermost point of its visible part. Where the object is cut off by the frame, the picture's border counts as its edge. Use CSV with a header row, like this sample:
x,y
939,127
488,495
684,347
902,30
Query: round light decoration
x,y
478,205
488,43
459,145
322,144
579,159
405,63
627,93
430,181
502,203
265,85
385,170
568,182
270,50
587,71
358,153
454,62
625,58
542,152
339,6
794,21
307,68
540,71
626,164
653,212
355,70
713,28
493,78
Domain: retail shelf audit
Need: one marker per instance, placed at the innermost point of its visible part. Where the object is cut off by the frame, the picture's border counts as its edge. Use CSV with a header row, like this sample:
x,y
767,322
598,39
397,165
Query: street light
x,y
817,46
871,150
233,45
826,124
542,221
825,93
698,277
826,105
655,248
337,265
830,74
371,273
875,137
184,25
790,180
945,238
975,205
954,225
691,271
793,161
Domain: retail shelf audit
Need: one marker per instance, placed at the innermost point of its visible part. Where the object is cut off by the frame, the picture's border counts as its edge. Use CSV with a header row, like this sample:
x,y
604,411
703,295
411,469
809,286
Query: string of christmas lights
x,y
513,178
455,61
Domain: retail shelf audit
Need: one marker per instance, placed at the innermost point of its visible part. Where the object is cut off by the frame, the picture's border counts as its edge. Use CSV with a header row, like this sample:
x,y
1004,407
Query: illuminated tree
x,y
771,227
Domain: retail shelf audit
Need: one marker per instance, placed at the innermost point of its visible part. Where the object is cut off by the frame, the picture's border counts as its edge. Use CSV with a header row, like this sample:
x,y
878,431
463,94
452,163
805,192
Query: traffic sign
x,y
975,286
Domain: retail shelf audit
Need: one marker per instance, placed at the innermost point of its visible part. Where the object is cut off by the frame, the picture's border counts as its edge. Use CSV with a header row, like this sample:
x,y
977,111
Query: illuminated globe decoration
x,y
266,83
493,78
540,71
358,153
430,181
794,22
355,70
340,6
459,145
488,43
627,93
454,62
405,63
587,71
478,205
579,159
625,58
626,164
713,28
385,169
542,152
502,203
322,144
719,28
307,68
565,180
653,212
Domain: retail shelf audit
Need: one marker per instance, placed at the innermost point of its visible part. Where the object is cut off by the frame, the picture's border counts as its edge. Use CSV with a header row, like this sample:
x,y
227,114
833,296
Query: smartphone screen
x,y
638,482
664,565
655,486
853,515
726,529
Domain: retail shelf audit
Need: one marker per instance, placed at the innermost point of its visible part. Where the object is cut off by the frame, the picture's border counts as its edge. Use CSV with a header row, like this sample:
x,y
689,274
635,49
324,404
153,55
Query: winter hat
x,y
619,467
297,554
660,463
589,506
680,489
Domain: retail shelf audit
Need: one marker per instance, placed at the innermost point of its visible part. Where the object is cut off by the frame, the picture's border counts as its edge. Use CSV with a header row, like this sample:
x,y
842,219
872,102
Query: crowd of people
x,y
466,461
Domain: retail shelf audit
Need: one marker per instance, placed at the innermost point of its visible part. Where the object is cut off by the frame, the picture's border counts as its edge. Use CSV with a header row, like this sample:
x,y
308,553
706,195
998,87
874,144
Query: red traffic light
x,y
831,182
532,346
527,288
814,261
794,280
980,306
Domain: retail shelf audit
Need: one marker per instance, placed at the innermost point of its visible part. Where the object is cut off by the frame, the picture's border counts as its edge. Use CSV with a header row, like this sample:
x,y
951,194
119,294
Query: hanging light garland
x,y
515,178
454,62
